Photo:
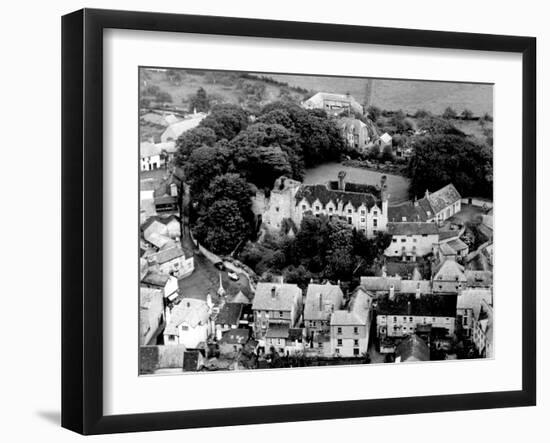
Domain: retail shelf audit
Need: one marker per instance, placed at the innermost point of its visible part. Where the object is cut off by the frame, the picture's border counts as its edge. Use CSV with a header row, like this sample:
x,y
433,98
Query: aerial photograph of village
x,y
292,221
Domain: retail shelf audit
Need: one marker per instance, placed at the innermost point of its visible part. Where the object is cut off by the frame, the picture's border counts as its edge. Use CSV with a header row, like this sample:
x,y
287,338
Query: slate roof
x,y
146,296
239,298
229,314
471,298
322,193
449,270
412,228
158,218
169,254
381,283
285,295
429,305
446,235
413,348
446,249
295,334
317,299
357,313
411,286
148,149
237,336
156,279
192,312
444,197
458,245
410,212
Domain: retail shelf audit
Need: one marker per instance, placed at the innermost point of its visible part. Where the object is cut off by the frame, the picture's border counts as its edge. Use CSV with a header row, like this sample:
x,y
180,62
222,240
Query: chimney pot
x,y
273,292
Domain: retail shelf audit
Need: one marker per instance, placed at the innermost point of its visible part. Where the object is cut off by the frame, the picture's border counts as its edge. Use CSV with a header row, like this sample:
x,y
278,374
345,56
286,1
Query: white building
x,y
188,323
172,261
334,104
349,328
365,207
433,207
150,156
468,307
411,239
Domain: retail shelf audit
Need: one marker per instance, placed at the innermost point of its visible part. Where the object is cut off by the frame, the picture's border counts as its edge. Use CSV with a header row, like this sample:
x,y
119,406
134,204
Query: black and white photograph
x,y
294,221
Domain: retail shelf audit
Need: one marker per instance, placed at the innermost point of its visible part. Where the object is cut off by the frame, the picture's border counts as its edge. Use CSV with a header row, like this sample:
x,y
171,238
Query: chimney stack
x,y
427,194
320,302
415,201
409,308
417,291
392,292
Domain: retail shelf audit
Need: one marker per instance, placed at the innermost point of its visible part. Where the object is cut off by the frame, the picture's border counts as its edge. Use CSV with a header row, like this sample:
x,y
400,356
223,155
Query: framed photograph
x,y
271,221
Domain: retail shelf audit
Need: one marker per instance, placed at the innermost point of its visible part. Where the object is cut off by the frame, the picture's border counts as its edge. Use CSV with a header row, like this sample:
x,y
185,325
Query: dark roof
x,y
191,360
156,279
410,211
230,314
237,336
325,195
412,228
429,305
413,348
170,254
165,200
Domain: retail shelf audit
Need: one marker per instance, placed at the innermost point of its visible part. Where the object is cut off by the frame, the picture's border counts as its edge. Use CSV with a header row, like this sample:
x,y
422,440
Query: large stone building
x,y
365,207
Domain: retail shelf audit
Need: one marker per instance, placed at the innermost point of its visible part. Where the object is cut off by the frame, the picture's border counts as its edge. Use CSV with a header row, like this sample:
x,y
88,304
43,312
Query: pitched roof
x,y
478,278
159,240
156,279
239,297
446,235
444,197
471,298
413,348
325,195
458,245
276,296
411,286
160,219
318,98
238,336
148,149
381,283
385,137
449,270
230,314
412,228
190,311
147,296
321,300
358,310
409,211
169,254
429,305
169,147
446,249
178,128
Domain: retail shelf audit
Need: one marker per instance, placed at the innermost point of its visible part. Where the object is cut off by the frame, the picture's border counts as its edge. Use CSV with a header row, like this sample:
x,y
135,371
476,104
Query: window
x,y
316,208
403,240
280,314
355,351
339,330
375,213
414,240
303,207
339,342
277,209
394,318
404,318
329,209
349,211
374,231
375,222
356,330
337,350
394,240
424,235
350,221
410,319
355,342
362,212
362,219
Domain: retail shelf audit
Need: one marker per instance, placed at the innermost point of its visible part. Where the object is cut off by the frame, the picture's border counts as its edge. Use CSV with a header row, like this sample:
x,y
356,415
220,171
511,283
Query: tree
x,y
221,228
226,121
421,113
340,259
199,102
467,114
230,187
438,125
387,154
191,140
203,165
442,159
374,113
449,113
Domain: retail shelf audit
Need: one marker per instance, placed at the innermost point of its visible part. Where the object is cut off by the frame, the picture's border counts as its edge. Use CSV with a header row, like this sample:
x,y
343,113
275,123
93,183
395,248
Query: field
x,y
407,95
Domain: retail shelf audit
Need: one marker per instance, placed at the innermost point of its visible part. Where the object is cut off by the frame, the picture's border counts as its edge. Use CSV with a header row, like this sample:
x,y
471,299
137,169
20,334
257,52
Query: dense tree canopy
x,y
199,102
191,140
203,165
226,121
442,159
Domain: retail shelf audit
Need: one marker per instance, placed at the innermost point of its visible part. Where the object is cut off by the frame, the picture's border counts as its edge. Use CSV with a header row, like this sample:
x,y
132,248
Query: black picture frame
x,y
82,220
